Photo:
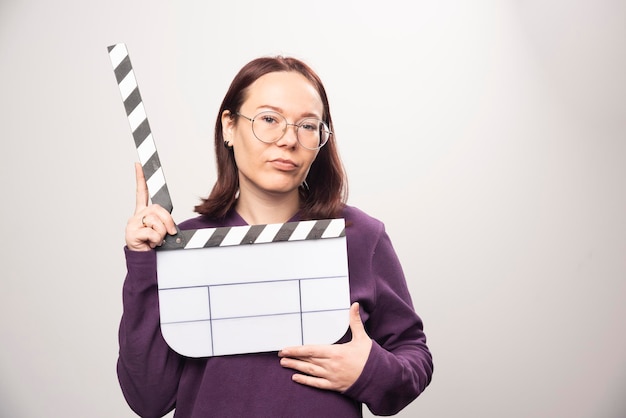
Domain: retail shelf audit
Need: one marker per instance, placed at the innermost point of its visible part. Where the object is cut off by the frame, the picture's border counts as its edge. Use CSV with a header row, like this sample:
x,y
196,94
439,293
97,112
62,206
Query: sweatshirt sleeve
x,y
400,364
148,370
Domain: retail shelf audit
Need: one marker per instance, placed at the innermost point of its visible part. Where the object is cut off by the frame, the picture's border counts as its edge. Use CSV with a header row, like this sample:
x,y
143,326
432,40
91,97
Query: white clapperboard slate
x,y
247,289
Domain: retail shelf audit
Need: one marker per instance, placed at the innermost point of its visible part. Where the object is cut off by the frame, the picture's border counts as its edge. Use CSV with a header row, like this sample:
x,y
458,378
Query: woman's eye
x,y
309,126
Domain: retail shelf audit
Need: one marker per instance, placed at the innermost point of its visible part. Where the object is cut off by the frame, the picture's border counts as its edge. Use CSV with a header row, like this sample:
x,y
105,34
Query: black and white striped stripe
x,y
139,126
262,234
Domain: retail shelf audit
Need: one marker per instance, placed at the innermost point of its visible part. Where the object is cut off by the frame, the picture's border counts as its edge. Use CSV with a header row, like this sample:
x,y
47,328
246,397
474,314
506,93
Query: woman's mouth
x,y
283,164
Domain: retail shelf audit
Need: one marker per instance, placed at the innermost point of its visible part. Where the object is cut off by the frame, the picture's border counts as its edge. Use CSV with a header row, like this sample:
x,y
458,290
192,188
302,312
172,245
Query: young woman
x,y
277,161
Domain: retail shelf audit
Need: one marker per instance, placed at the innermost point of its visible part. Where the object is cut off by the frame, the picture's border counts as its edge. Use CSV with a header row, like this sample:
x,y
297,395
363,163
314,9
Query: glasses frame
x,y
287,124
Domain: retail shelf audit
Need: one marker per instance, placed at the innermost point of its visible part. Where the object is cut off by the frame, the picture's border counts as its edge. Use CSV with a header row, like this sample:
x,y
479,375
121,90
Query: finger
x,y
164,218
142,238
153,221
313,381
304,352
312,371
141,199
356,324
303,366
151,237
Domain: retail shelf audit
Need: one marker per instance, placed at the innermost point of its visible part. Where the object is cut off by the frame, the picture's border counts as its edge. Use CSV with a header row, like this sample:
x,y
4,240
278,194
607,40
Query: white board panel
x,y
245,298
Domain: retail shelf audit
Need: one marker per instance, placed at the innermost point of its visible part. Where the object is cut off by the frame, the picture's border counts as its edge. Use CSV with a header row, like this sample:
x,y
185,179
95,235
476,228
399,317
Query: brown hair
x,y
327,184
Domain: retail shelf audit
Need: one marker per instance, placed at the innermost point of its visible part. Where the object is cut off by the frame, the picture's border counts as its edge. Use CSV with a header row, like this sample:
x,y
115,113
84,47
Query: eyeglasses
x,y
271,126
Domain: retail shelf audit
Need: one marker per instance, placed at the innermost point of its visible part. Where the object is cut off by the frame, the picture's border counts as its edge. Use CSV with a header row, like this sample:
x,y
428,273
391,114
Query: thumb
x,y
141,199
356,324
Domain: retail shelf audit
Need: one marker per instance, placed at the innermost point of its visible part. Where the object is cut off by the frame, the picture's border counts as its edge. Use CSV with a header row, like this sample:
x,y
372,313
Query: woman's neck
x,y
257,209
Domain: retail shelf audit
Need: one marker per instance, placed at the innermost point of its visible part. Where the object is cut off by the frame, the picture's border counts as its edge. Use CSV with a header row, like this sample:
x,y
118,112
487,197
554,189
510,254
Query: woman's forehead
x,y
284,91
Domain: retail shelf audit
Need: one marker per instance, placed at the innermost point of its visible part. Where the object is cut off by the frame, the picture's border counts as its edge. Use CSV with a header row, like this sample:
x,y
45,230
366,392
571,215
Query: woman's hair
x,y
327,189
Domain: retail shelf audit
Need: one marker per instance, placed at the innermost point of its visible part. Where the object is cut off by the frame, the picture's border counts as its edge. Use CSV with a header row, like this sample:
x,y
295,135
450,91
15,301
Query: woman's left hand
x,y
331,367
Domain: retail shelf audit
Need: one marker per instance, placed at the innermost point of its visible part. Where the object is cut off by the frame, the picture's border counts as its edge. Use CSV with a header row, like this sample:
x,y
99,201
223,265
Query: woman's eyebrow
x,y
281,111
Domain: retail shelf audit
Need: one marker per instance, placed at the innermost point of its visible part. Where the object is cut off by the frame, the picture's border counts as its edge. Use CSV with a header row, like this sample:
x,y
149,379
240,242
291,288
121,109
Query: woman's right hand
x,y
147,228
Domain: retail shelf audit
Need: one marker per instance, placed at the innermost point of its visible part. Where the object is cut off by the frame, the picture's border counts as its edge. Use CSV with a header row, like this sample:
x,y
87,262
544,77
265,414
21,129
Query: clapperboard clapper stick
x,y
244,289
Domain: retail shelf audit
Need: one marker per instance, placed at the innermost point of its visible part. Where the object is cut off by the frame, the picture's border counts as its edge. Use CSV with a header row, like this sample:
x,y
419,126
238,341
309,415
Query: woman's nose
x,y
290,138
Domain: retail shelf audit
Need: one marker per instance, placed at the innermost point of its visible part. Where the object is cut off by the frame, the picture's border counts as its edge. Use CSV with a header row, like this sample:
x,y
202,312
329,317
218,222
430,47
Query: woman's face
x,y
278,167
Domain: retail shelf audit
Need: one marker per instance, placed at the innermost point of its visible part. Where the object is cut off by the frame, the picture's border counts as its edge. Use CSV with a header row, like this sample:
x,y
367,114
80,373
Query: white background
x,y
489,136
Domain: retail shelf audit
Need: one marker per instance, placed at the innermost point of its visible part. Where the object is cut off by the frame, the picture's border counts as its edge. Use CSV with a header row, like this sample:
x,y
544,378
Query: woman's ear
x,y
228,126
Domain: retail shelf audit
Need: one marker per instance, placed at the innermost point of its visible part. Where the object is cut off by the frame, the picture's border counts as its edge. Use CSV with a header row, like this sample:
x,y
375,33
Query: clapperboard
x,y
246,289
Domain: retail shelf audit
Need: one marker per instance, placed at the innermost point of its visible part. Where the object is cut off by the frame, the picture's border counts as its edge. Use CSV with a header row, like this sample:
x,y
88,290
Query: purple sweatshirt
x,y
155,379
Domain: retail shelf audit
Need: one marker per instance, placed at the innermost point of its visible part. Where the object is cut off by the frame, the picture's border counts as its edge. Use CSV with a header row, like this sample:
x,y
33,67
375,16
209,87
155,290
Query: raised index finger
x,y
141,200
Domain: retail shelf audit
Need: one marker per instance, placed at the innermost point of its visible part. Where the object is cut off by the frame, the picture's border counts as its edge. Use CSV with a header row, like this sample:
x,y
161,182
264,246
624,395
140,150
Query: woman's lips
x,y
283,164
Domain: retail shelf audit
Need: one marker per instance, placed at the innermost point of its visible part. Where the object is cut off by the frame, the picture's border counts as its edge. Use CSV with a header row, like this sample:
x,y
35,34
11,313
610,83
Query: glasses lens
x,y
269,126
312,133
